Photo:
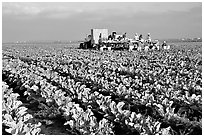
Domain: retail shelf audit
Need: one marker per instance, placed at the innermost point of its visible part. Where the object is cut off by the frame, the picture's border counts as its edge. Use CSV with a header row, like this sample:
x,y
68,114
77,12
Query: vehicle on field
x,y
100,39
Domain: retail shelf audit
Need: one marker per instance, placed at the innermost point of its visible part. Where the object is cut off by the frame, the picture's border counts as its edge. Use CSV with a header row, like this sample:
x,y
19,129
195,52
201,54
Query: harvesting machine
x,y
99,39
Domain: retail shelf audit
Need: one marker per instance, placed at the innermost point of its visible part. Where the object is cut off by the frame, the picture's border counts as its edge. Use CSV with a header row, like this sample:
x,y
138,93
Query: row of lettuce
x,y
107,93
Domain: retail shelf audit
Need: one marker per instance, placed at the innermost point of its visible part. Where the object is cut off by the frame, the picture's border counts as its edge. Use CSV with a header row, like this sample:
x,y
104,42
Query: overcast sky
x,y
72,21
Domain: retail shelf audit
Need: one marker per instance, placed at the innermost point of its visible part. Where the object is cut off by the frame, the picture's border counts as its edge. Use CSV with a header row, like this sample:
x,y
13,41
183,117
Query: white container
x,y
146,48
168,47
131,47
109,48
101,48
139,48
165,47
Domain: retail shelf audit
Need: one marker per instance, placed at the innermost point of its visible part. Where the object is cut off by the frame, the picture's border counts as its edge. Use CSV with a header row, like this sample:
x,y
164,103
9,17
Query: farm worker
x,y
164,45
110,37
100,39
148,38
101,48
109,40
124,36
136,37
113,35
151,46
157,44
168,47
86,43
89,44
141,39
139,48
146,48
131,46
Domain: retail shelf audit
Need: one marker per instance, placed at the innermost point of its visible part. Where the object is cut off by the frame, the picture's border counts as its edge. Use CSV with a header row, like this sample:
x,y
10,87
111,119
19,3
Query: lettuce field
x,y
57,89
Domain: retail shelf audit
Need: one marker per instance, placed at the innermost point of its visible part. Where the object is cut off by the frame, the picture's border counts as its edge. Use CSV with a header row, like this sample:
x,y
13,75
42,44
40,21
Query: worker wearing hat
x,y
136,37
148,38
164,45
157,44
